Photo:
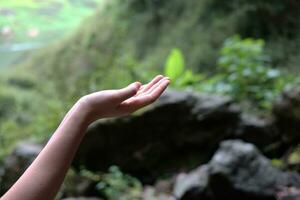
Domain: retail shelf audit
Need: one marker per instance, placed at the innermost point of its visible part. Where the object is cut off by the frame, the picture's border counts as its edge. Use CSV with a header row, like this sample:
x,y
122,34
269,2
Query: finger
x,y
146,87
127,92
156,93
155,86
136,103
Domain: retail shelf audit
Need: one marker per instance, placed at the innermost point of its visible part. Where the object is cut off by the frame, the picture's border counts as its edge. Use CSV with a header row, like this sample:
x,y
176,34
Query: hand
x,y
116,103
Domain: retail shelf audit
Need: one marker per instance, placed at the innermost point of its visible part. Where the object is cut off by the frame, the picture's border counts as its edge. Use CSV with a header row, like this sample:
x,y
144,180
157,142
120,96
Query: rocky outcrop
x,y
15,164
237,171
180,130
175,129
166,136
286,110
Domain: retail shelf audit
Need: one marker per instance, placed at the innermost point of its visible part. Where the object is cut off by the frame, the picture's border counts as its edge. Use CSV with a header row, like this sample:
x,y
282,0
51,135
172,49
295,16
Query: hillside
x,y
124,40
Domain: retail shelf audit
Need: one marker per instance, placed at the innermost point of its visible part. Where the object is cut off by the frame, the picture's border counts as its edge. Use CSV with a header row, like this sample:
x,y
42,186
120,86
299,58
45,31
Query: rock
x,y
150,193
260,131
237,171
175,129
289,193
196,179
286,110
15,164
161,190
164,186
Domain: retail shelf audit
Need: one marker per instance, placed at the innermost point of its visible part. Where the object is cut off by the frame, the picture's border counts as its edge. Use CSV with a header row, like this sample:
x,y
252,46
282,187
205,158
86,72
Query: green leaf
x,y
175,64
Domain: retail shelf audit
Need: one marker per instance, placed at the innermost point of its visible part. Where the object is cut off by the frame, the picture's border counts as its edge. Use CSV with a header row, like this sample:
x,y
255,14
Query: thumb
x,y
128,91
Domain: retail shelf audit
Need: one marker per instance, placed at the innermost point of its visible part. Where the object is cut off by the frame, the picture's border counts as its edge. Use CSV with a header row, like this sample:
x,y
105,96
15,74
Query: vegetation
x,y
115,185
225,47
244,72
146,32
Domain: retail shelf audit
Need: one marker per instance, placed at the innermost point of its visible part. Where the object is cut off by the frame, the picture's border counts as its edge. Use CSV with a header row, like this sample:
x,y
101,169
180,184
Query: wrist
x,y
84,110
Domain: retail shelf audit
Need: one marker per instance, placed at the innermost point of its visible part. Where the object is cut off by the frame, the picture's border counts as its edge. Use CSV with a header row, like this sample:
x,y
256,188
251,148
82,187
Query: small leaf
x,y
175,64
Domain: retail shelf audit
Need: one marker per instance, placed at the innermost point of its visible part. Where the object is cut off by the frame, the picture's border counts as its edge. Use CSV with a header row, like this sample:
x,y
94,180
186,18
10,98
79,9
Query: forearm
x,y
44,177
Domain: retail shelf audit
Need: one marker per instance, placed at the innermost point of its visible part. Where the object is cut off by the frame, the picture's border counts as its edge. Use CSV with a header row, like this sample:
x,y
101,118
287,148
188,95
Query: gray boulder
x,y
260,131
237,171
15,164
162,138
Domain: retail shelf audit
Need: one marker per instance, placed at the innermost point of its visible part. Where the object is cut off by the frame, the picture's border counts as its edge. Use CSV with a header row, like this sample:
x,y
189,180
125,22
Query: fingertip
x,y
137,85
166,84
160,76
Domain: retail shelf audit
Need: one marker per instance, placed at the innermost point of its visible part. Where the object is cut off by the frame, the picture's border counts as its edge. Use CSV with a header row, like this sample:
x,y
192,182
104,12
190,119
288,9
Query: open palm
x,y
115,103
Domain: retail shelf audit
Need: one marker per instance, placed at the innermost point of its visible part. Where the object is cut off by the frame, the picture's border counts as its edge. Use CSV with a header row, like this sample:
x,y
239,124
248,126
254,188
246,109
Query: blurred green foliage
x,y
244,72
248,70
129,40
175,70
115,185
28,109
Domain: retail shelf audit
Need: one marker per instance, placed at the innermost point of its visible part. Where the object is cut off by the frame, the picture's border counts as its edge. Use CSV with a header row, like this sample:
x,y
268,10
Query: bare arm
x,y
45,175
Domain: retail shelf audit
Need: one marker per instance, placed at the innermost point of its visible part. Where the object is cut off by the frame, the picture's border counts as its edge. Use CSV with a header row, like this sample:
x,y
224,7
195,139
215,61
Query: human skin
x,y
45,175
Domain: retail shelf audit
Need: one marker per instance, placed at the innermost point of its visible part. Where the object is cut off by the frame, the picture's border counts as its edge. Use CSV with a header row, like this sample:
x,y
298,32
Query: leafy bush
x,y
119,186
244,72
249,73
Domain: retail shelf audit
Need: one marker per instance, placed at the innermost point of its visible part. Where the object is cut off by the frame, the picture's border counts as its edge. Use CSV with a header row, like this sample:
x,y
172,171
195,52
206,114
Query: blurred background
x,y
234,67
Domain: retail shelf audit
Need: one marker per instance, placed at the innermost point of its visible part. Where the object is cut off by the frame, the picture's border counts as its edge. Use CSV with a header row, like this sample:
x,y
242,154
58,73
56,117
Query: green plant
x,y
244,72
115,185
175,70
175,64
248,70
